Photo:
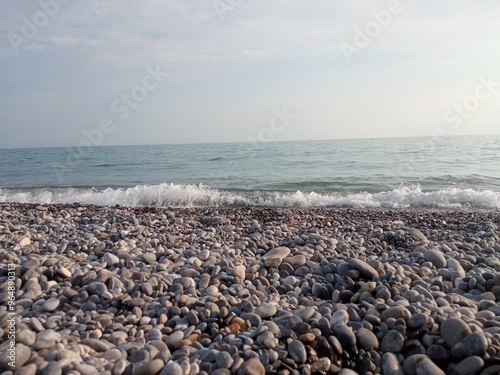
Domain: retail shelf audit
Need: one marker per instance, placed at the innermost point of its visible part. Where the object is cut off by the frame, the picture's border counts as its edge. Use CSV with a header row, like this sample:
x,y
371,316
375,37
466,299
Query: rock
x,y
172,368
110,259
149,258
154,334
390,365
417,321
277,252
97,345
345,335
474,344
212,310
392,342
50,305
456,269
239,271
53,368
97,288
26,337
436,257
296,261
396,312
366,339
22,354
418,234
453,330
224,360
175,338
410,363
339,317
149,367
266,310
364,269
322,365
64,272
468,366
252,366
425,366
27,370
297,351
25,241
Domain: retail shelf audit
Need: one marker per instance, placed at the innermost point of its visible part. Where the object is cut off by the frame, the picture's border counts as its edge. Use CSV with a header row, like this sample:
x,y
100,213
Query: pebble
x,y
297,351
474,344
252,366
367,339
390,364
436,257
147,290
392,342
453,330
266,310
425,366
468,366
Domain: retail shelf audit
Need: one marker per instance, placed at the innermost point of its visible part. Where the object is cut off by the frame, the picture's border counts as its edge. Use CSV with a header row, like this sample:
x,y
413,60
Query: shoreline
x,y
250,290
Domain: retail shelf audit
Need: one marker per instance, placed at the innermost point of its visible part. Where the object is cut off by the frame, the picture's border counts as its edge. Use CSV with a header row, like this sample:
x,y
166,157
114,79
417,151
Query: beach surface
x,y
120,290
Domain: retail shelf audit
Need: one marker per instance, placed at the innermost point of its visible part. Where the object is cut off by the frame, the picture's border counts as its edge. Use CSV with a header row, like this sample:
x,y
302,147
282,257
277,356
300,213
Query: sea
x,y
459,172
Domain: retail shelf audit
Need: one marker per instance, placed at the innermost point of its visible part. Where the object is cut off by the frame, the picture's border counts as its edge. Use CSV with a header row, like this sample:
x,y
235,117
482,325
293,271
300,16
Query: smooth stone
x,y
26,337
436,257
322,365
97,288
339,317
29,369
252,366
417,321
345,335
468,366
410,363
277,252
474,344
297,351
392,342
175,338
396,312
296,261
149,367
154,334
172,368
48,335
364,268
367,339
111,259
418,234
453,330
266,310
391,365
224,360
212,309
51,304
456,269
97,345
240,271
425,366
53,368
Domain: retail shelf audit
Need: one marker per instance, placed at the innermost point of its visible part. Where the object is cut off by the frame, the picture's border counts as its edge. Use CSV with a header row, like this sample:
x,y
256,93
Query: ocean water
x,y
460,172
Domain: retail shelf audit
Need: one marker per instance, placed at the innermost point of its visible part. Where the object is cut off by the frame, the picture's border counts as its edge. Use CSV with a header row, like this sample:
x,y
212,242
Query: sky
x,y
115,72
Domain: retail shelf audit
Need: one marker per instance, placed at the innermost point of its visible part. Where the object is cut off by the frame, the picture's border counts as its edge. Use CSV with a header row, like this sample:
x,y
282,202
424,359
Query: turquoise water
x,y
445,172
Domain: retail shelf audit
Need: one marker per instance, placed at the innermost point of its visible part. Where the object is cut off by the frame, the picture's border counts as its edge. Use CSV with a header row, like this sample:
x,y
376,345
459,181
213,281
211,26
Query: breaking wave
x,y
176,195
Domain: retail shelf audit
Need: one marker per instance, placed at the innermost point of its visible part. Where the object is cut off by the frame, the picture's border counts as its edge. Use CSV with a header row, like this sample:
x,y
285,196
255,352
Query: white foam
x,y
174,195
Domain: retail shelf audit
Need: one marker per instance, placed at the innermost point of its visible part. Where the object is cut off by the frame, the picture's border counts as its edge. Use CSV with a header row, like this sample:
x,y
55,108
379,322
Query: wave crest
x,y
176,195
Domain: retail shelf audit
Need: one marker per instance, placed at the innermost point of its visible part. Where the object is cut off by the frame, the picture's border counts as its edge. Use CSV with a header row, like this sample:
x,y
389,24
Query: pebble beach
x,y
249,291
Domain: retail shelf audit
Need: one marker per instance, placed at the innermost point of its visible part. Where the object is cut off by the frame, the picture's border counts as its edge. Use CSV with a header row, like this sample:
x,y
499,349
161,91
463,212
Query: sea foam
x,y
176,195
